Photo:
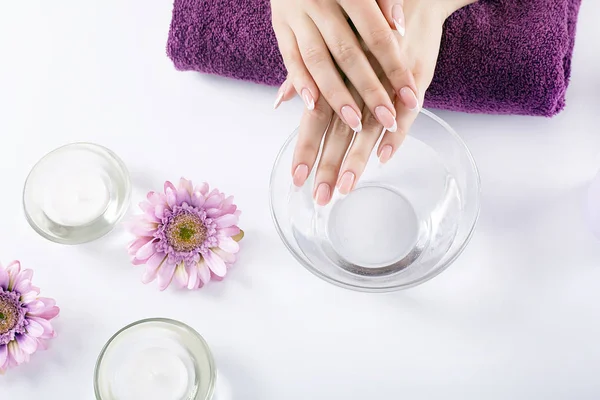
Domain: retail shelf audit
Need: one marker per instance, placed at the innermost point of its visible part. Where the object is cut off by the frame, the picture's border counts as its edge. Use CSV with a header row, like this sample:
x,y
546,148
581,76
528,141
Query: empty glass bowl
x,y
405,221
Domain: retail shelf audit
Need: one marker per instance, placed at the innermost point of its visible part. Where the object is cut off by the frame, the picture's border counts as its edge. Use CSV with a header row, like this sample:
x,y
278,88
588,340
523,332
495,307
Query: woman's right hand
x,y
315,38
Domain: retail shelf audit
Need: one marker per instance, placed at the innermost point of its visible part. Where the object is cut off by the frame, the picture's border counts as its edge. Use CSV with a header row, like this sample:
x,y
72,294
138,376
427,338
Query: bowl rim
x,y
390,288
167,321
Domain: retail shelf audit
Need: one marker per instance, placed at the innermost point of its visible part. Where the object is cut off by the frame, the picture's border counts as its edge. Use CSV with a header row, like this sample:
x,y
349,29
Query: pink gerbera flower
x,y
186,234
24,317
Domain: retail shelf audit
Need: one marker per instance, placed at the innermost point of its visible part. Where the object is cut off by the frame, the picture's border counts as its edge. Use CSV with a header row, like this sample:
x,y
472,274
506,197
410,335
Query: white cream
x,y
75,197
153,373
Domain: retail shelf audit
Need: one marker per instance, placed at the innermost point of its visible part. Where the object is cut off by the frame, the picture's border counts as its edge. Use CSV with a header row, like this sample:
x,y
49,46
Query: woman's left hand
x,y
343,160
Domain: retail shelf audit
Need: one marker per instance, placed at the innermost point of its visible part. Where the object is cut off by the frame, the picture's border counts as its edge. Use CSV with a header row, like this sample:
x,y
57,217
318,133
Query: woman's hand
x,y
315,38
343,160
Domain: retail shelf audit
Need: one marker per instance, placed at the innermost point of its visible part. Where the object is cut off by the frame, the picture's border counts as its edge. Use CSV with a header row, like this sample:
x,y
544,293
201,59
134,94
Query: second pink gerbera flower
x,y
187,235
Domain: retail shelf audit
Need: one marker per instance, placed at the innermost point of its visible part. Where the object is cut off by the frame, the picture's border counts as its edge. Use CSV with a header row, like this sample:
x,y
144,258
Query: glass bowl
x,y
155,358
76,193
404,223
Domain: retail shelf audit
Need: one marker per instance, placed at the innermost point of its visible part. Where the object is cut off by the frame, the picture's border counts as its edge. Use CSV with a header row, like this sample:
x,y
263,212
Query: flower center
x,y
186,232
9,314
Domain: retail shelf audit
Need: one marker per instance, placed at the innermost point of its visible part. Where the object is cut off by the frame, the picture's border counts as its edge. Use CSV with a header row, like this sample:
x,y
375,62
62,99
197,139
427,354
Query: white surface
x,y
517,316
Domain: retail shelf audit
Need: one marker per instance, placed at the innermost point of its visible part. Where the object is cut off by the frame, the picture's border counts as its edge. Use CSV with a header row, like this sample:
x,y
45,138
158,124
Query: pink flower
x,y
186,234
24,317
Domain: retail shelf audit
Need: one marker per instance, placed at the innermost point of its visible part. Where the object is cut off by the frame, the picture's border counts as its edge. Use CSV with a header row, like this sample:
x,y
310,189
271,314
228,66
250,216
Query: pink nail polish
x,y
309,100
398,17
387,119
346,182
300,175
409,98
352,119
280,94
386,154
323,194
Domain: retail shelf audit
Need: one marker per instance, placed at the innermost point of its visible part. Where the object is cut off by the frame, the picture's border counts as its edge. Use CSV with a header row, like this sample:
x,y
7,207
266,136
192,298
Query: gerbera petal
x,y
184,191
227,257
203,272
152,266
198,199
22,286
48,331
159,211
24,275
213,201
171,197
34,328
169,185
192,270
202,188
3,355
15,352
228,244
215,263
214,212
48,310
226,221
181,276
13,270
237,213
165,275
31,295
27,343
229,231
4,279
147,207
146,251
137,244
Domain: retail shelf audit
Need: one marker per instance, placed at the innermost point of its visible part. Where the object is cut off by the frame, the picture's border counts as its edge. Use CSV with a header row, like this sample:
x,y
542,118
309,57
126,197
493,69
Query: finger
x,y
285,92
320,65
382,42
312,128
393,10
351,59
359,153
406,117
298,76
337,140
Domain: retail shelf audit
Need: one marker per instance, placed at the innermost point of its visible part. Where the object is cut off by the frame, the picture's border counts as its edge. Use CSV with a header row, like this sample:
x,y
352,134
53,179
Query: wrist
x,y
449,7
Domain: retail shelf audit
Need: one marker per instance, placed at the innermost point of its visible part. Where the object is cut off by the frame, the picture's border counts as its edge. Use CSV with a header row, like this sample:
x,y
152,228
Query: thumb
x,y
393,10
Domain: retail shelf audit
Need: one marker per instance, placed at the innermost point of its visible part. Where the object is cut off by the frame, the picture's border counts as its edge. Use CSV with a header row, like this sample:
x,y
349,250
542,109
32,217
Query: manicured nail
x,y
323,194
352,119
280,94
409,98
398,17
346,182
385,116
386,154
300,175
309,100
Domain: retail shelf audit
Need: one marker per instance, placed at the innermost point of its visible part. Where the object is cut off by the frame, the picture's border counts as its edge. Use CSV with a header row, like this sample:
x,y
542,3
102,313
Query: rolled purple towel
x,y
496,57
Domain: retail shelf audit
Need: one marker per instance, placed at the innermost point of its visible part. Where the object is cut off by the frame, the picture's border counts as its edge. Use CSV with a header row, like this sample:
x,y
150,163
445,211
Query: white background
x,y
516,317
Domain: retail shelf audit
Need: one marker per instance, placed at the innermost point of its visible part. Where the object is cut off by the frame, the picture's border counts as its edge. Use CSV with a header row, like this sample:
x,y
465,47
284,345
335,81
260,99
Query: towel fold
x,y
496,57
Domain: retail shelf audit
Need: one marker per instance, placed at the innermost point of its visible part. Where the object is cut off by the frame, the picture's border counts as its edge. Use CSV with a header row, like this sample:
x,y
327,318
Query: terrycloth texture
x,y
497,56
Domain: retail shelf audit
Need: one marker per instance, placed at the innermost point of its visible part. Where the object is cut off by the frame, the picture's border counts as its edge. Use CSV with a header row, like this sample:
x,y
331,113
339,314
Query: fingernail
x,y
385,116
280,94
323,194
409,98
398,17
309,100
346,182
300,175
352,119
386,154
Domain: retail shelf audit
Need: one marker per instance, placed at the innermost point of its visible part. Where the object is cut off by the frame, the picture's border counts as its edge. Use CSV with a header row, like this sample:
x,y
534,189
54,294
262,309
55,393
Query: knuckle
x,y
314,56
328,169
399,73
341,130
346,53
321,112
356,161
381,40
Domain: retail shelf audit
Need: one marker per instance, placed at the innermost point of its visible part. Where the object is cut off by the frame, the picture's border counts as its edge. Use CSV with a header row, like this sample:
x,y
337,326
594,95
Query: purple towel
x,y
497,56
